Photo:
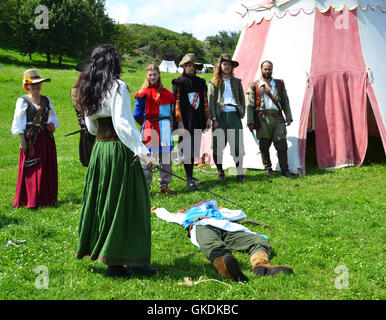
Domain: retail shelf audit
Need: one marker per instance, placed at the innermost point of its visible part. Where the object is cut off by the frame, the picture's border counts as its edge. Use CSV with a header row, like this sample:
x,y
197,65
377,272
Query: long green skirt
x,y
115,216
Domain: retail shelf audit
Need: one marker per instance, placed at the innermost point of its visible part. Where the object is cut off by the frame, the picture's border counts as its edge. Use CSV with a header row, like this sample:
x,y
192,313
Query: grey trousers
x,y
216,243
165,162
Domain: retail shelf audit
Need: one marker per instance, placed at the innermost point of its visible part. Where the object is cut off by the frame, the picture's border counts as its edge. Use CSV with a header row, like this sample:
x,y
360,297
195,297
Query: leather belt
x,y
106,131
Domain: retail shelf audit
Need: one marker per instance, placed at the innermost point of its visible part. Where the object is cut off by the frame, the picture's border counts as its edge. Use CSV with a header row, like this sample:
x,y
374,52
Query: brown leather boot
x,y
229,268
262,267
166,190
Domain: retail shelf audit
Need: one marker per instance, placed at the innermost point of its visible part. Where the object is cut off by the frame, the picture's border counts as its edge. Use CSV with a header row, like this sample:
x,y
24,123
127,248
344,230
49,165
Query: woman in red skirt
x,y
35,121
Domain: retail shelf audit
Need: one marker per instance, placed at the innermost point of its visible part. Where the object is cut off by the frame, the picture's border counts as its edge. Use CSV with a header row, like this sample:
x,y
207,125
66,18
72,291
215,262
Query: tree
x,y
74,27
224,40
8,9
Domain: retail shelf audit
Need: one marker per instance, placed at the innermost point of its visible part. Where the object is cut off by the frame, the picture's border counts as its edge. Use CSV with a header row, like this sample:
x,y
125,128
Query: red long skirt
x,y
37,186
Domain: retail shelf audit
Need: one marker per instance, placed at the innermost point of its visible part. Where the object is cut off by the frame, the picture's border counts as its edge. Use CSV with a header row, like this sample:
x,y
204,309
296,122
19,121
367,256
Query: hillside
x,y
147,43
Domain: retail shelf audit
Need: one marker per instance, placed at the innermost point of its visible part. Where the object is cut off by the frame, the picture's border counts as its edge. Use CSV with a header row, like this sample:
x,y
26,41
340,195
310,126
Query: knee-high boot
x,y
265,156
262,267
229,268
282,149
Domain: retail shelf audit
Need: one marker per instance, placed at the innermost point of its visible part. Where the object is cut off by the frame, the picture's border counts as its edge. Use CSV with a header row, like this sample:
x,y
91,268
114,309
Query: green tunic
x,y
268,129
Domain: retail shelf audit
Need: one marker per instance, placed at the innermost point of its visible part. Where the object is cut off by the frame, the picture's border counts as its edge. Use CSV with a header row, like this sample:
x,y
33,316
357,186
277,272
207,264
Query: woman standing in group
x,y
152,111
115,215
35,121
191,113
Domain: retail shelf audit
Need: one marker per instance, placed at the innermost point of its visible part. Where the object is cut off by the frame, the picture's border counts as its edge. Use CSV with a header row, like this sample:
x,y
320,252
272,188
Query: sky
x,y
202,18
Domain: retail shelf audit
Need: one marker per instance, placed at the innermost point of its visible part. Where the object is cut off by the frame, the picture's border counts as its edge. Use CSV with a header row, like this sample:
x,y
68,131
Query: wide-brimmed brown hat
x,y
31,76
190,57
227,57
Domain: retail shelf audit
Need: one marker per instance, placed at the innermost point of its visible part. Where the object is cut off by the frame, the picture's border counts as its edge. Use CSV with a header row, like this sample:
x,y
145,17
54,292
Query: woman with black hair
x,y
115,215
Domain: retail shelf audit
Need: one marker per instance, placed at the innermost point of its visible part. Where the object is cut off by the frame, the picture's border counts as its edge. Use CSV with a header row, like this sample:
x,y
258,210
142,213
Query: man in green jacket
x,y
227,107
266,101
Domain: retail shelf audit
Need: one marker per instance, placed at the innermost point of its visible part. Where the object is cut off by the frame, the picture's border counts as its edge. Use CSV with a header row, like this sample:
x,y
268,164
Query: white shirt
x,y
228,96
19,122
268,103
117,105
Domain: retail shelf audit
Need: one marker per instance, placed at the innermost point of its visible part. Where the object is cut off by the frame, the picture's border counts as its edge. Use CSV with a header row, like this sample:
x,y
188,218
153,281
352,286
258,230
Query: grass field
x,y
324,223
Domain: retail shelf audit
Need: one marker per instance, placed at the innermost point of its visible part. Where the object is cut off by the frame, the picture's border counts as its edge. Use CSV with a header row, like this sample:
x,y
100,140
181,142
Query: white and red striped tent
x,y
332,56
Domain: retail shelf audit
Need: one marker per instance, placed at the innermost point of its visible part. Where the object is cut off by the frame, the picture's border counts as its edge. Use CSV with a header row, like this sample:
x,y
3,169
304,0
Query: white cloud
x,y
202,18
211,22
120,12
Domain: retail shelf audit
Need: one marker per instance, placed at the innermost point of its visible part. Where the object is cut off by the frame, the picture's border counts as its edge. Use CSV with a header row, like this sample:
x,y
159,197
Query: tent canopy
x,y
330,53
168,66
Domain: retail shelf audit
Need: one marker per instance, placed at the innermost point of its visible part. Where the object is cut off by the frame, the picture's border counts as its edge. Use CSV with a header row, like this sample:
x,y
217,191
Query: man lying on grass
x,y
212,230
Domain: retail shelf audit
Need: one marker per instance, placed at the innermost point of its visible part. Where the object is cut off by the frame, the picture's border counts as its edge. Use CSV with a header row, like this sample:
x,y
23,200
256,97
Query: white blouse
x,y
19,122
117,105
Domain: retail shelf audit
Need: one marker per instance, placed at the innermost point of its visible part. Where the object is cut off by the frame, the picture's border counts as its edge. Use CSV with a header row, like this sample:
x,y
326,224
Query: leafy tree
x,y
74,26
226,41
8,10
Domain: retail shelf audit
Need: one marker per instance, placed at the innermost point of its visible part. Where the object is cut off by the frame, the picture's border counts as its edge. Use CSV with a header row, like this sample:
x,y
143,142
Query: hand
x,y
215,125
23,143
181,125
23,146
149,161
288,123
51,127
208,123
251,127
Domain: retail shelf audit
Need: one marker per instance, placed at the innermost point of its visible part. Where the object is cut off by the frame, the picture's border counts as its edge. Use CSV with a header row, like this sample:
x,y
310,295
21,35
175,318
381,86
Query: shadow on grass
x,y
6,220
6,59
182,266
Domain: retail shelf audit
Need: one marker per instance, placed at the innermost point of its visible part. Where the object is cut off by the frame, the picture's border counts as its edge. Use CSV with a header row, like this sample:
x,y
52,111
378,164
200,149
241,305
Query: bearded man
x,y
267,100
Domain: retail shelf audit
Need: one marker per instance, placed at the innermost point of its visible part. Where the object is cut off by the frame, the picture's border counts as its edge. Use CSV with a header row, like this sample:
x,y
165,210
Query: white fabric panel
x,y
241,38
289,47
372,26
295,7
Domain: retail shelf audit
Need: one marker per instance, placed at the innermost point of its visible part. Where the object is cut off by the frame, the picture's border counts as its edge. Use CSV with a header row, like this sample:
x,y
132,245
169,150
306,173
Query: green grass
x,y
324,220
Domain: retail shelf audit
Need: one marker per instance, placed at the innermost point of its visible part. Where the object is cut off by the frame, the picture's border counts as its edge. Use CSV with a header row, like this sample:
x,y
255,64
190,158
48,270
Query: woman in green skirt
x,y
114,223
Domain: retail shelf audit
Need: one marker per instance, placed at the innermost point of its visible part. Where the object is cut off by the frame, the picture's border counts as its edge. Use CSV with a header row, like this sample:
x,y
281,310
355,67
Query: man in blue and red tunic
x,y
152,111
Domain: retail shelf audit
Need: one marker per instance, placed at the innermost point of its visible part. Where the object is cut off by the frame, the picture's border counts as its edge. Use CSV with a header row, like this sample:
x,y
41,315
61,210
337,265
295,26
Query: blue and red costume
x,y
154,115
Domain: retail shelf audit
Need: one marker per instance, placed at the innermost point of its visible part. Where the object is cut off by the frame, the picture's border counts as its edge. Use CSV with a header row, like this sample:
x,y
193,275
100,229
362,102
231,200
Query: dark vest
x,y
32,111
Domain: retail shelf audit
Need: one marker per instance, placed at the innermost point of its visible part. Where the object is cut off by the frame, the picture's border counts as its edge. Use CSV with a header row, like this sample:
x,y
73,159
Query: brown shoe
x,y
229,268
166,190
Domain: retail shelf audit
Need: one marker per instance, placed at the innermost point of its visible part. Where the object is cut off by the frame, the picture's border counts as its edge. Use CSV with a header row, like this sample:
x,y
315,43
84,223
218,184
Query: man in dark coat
x,y
191,114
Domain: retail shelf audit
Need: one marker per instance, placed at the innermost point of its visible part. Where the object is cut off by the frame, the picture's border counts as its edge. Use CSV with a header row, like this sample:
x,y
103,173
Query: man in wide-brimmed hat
x,y
191,112
227,107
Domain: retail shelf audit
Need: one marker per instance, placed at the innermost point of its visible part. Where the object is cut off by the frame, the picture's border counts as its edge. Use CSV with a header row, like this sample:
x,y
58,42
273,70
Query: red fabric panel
x,y
251,51
303,126
339,80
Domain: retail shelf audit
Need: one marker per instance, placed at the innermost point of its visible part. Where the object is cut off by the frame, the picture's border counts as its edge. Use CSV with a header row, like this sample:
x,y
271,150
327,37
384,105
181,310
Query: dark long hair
x,y
98,77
